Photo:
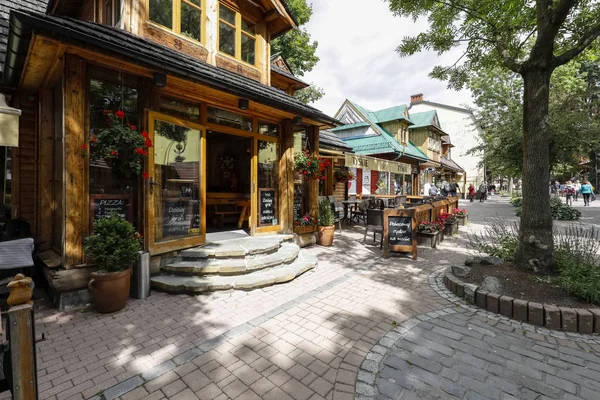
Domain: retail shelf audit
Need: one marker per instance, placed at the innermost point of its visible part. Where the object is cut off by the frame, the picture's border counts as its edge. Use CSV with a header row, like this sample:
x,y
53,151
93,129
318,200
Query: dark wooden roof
x,y
5,8
122,44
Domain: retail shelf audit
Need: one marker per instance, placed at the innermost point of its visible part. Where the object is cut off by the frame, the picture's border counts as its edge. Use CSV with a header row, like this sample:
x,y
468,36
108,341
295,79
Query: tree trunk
x,y
536,243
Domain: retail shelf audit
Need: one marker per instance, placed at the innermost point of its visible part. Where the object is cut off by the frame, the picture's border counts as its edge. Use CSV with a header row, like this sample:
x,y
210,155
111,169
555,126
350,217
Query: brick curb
x,y
585,321
369,369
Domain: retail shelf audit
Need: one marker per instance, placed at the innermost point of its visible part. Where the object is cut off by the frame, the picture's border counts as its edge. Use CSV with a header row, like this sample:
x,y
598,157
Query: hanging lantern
x,y
9,124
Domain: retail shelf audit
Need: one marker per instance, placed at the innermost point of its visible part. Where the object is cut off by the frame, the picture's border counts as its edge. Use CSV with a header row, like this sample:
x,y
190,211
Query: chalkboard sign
x,y
298,207
102,205
399,231
177,218
267,207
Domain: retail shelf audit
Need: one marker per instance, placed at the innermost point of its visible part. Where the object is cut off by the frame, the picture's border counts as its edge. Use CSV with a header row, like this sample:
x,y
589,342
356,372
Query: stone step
x,y
253,280
285,254
237,248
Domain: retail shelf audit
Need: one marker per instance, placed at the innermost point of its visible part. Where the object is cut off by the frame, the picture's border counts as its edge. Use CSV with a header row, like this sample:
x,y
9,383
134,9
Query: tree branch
x,y
583,42
467,11
507,60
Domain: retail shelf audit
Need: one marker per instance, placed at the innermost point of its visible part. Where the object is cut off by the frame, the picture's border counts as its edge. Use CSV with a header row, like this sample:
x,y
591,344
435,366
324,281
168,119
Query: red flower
x,y
120,114
94,138
145,134
308,163
114,153
145,175
148,143
133,127
141,151
85,146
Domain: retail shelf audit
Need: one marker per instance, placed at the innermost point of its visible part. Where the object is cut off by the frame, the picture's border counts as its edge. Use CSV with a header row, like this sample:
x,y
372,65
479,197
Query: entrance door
x,y
175,185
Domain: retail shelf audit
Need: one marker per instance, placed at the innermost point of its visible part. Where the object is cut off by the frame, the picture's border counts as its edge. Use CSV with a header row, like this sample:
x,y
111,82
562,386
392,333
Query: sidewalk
x,y
302,340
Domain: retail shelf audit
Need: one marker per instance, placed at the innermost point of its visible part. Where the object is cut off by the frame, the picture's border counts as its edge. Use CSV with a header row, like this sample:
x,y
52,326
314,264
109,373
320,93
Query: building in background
x,y
460,124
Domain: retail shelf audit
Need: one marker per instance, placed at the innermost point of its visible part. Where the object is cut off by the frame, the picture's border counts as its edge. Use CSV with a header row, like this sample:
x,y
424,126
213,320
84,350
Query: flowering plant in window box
x,y
429,227
343,175
461,214
305,224
120,145
310,166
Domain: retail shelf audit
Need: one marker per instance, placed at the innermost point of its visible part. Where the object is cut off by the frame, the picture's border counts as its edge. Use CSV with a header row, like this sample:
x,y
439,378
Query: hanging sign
x,y
399,232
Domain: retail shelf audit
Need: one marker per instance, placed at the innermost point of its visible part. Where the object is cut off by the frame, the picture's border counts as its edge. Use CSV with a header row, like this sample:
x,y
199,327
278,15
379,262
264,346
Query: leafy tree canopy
x,y
298,50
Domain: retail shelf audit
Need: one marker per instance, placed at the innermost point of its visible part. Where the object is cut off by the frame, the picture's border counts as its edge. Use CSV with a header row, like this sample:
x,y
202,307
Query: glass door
x,y
175,184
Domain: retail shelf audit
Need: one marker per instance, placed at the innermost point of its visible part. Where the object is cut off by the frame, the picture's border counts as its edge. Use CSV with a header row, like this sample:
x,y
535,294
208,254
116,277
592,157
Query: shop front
x,y
376,176
180,148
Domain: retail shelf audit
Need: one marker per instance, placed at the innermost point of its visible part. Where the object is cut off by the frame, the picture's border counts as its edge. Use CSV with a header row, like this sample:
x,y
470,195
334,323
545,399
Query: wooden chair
x,y
374,223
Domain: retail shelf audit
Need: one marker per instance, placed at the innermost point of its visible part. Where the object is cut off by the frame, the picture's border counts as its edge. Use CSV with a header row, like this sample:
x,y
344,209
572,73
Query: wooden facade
x,y
52,187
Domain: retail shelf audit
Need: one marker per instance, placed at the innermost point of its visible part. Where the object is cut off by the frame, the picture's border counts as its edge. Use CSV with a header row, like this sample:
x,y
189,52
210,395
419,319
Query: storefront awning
x,y
377,164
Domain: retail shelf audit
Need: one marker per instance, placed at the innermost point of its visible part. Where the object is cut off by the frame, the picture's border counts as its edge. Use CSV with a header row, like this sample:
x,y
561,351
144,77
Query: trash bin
x,y
140,282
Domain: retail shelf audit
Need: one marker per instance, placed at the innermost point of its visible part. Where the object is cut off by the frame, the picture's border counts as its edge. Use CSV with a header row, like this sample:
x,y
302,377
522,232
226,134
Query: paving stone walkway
x,y
306,339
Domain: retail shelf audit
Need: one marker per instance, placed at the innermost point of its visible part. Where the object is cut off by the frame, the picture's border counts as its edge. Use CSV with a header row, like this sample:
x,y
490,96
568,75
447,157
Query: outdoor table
x,y
347,203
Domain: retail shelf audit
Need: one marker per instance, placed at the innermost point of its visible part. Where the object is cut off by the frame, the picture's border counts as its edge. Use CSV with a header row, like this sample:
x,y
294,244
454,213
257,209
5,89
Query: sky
x,y
357,42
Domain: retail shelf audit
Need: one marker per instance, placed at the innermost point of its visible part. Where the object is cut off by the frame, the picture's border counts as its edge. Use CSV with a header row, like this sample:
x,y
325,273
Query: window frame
x,y
176,20
114,6
239,33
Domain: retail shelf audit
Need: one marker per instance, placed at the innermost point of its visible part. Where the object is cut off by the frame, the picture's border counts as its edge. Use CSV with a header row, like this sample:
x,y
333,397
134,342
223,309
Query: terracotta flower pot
x,y
326,235
110,291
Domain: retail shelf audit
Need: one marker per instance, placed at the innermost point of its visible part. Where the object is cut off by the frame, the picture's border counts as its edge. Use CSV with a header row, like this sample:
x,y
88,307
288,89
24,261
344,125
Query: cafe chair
x,y
360,212
375,224
338,210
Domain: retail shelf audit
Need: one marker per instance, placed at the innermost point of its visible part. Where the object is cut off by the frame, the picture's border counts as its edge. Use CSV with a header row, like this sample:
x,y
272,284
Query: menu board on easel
x,y
267,207
102,205
399,232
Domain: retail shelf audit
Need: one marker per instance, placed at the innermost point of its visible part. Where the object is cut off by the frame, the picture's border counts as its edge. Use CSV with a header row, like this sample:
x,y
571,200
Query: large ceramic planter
x,y
451,228
110,290
427,238
326,235
462,221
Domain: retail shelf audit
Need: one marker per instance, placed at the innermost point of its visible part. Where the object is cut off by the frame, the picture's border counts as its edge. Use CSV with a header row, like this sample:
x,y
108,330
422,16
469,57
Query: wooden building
x,y
390,161
193,78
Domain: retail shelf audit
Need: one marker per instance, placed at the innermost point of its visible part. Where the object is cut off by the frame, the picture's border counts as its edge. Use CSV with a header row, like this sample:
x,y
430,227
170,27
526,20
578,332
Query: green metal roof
x,y
392,114
422,119
384,144
350,126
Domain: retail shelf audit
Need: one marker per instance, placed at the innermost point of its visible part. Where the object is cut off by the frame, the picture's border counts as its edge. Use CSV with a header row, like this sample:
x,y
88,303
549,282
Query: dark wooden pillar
x,y
312,133
286,177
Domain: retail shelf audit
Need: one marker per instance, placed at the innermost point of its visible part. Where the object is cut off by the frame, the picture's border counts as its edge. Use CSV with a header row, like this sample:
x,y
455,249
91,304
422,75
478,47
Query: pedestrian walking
x,y
445,188
453,189
471,192
569,193
577,190
586,192
483,188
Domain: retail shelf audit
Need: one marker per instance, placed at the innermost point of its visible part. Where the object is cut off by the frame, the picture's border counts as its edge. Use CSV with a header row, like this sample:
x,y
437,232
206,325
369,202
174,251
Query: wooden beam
x,y
312,132
45,168
42,53
286,177
75,203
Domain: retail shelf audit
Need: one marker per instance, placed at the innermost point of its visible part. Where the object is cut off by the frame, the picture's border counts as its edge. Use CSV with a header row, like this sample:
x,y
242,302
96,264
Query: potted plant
x,y
310,166
326,223
305,224
450,223
343,175
427,230
462,215
119,145
113,247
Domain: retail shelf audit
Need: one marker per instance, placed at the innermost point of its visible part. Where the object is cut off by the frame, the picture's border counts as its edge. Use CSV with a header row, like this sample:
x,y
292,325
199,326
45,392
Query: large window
x,y
181,16
237,35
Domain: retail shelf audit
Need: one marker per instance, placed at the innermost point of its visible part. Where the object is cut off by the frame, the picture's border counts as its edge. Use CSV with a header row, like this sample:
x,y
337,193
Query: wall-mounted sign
x,y
102,205
399,232
377,164
267,207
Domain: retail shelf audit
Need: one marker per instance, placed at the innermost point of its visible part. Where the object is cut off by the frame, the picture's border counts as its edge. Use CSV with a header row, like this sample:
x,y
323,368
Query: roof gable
x,y
392,114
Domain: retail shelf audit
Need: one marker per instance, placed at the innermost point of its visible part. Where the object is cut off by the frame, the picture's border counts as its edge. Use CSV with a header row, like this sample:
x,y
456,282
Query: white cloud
x,y
357,42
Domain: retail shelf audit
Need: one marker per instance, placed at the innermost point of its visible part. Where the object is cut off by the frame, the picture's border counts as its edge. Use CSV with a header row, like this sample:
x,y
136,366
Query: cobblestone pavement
x,y
301,340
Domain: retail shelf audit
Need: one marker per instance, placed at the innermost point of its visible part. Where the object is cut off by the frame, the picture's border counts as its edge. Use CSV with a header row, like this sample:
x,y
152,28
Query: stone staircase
x,y
245,263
